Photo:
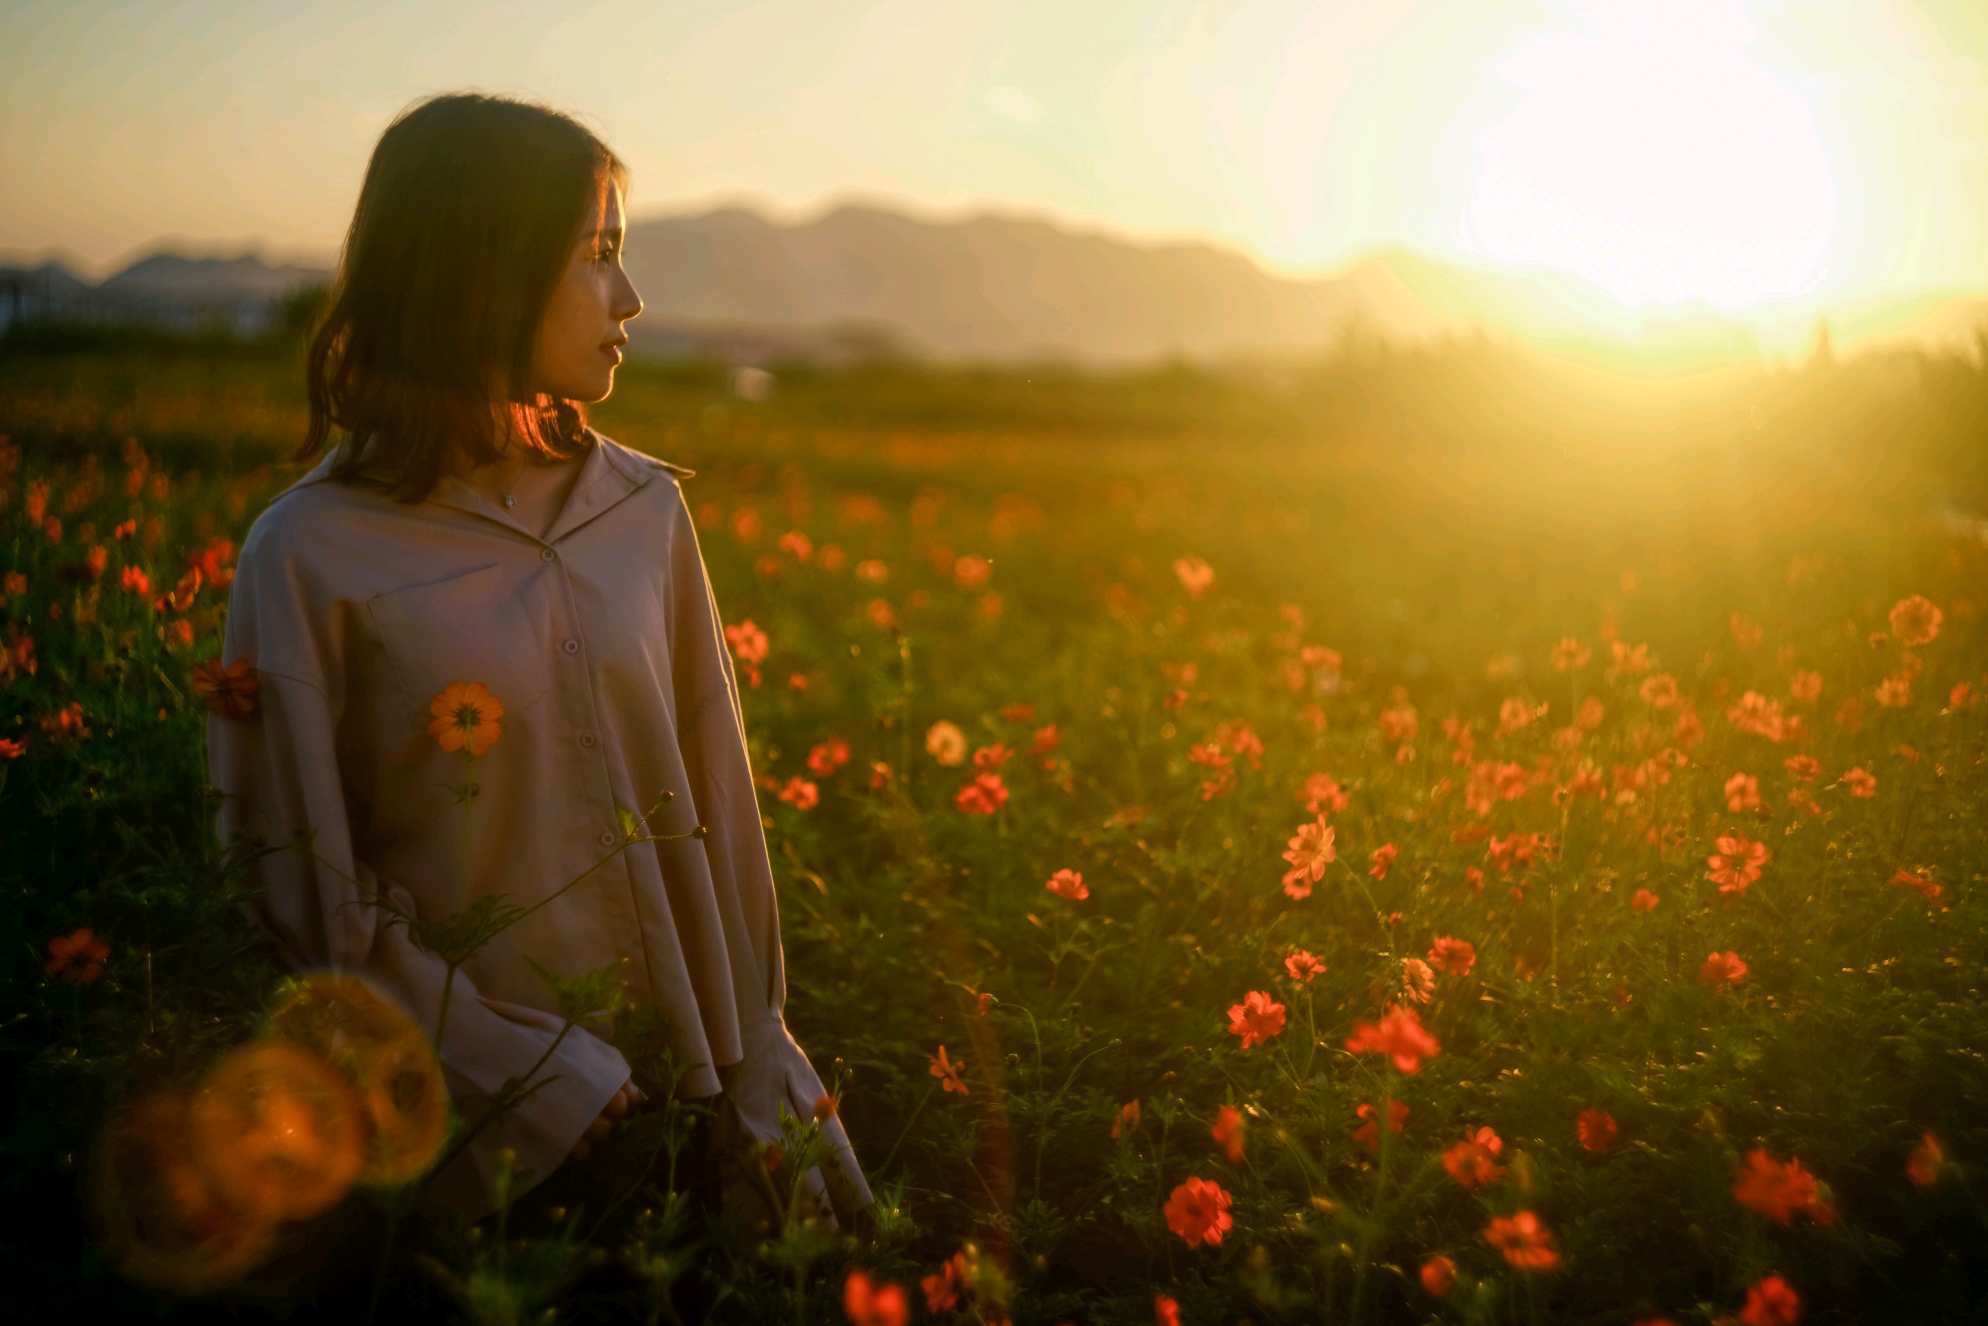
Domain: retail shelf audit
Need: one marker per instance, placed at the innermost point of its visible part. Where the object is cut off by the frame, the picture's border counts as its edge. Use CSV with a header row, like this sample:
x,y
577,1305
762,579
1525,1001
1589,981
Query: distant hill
x,y
165,290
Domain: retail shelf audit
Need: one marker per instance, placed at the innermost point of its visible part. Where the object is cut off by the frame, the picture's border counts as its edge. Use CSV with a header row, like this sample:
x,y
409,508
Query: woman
x,y
469,528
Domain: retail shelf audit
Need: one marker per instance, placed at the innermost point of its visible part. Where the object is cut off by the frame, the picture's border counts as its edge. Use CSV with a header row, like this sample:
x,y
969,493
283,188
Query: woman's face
x,y
579,340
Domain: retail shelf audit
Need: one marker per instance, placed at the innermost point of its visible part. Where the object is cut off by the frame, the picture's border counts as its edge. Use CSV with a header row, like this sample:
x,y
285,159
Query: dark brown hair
x,y
465,223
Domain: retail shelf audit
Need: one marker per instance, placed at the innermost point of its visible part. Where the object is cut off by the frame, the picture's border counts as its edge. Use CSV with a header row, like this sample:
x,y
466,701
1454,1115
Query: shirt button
x,y
587,740
607,839
545,554
571,646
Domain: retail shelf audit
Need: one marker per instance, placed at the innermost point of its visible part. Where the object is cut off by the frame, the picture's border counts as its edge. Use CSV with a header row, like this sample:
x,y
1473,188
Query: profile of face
x,y
579,340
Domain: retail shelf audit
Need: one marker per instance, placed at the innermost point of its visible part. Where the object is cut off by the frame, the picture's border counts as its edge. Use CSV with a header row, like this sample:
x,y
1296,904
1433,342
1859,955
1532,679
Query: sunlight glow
x,y
1649,151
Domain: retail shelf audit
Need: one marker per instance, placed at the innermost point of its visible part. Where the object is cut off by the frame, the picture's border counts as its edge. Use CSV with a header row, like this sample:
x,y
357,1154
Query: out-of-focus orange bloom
x,y
983,796
1418,981
1166,1312
1644,901
1044,740
1596,1129
942,1290
233,691
1228,1133
1746,634
66,724
1438,1276
1368,1134
1526,1242
1398,724
1960,697
1759,715
748,643
11,749
801,794
797,545
182,595
1198,1211
1256,1019
78,957
466,714
992,757
1125,1120
1737,863
1803,767
1771,1302
1742,792
1569,654
1907,879
1068,884
972,571
1472,1163
869,1304
1860,783
1915,621
828,756
1779,1190
1323,794
1660,691
1515,715
1399,1035
1303,967
1382,857
178,634
880,773
280,1130
984,1003
945,743
1720,970
947,1071
1806,686
1928,1162
134,580
1850,715
1195,575
1625,661
1894,692
1452,956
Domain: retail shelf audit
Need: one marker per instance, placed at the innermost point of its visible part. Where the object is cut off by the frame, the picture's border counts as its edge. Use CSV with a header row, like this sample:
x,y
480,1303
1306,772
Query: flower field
x,y
1233,866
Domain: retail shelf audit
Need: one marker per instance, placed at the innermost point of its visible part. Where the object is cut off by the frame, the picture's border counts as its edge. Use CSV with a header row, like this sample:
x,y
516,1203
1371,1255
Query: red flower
x,y
1256,1019
827,757
1303,967
942,1290
1927,1161
1439,1276
1860,783
1474,1164
989,758
1742,792
78,957
1125,1120
1399,1035
873,1305
1310,850
1383,857
1368,1134
1737,863
11,750
1452,957
1770,1302
1596,1129
1166,1312
1324,794
748,642
1569,654
1198,1211
947,1071
1068,884
1915,621
1045,740
983,796
1907,879
1228,1133
800,794
1525,1241
133,578
983,1004
1721,970
1779,1190
1644,901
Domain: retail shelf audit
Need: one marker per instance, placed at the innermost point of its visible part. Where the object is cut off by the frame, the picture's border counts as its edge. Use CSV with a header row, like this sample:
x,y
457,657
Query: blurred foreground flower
x,y
233,691
1166,1312
945,743
942,1290
1927,1163
1915,621
1399,1035
869,1304
1195,575
947,1071
1368,1134
1068,884
1473,1162
466,714
983,796
1123,1122
1771,1302
280,1129
1596,1129
77,957
1780,1190
1451,956
1438,1276
1198,1211
1228,1133
1526,1242
1721,970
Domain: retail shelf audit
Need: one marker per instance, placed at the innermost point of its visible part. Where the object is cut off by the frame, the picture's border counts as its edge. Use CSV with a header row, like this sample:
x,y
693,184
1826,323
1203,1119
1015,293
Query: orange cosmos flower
x,y
1228,1133
233,691
1398,724
11,749
1166,1312
1198,1211
1721,970
1927,1163
1803,767
800,794
880,774
1399,1035
134,579
984,1004
1322,794
1742,792
1418,982
945,743
1368,1134
1438,1276
1310,850
1125,1120
1806,685
1068,884
827,757
1960,697
1526,1242
1660,691
1779,1190
1746,634
466,714
1382,857
983,796
947,1071
1453,957
1569,654
1473,1164
989,758
868,1304
1759,715
77,957
1196,576
1627,661
1737,863
1907,879
1303,967
1256,1019
1771,1302
942,1290
1044,740
1644,901
1596,1129
1915,621
749,643
1860,783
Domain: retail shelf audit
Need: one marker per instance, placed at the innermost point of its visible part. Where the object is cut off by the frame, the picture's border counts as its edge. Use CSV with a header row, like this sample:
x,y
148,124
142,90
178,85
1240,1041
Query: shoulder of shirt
x,y
635,463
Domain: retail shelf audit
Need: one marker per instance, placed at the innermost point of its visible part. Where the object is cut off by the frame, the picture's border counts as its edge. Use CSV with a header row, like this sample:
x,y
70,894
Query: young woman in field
x,y
468,527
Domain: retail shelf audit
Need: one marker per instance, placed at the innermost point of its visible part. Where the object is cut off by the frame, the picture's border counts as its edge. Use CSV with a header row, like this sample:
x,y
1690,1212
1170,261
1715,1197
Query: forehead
x,y
603,210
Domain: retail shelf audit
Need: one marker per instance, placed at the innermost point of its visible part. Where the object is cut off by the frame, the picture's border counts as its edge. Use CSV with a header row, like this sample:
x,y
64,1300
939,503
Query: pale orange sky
x,y
1725,150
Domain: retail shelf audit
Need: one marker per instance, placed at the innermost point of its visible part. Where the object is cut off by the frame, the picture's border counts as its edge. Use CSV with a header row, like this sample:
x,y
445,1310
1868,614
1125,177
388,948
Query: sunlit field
x,y
1437,836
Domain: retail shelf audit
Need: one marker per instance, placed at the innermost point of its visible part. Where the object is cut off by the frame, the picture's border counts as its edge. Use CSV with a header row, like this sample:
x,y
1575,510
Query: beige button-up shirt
x,y
602,641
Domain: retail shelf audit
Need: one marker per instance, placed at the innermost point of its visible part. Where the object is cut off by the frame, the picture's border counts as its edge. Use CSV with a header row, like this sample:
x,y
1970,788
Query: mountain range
x,y
860,281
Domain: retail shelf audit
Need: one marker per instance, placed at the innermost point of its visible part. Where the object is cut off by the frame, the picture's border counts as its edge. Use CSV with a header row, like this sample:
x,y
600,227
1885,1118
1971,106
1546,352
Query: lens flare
x,y
280,1130
385,1058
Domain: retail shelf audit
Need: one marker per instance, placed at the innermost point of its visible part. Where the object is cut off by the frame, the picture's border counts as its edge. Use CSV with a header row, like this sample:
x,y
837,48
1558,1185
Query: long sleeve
x,y
282,784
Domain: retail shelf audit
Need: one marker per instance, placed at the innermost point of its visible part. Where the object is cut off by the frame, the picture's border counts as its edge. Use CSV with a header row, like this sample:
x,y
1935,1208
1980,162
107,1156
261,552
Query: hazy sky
x,y
1667,149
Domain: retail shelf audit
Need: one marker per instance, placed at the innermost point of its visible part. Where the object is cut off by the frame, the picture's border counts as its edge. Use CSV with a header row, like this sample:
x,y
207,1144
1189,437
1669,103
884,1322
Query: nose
x,y
627,303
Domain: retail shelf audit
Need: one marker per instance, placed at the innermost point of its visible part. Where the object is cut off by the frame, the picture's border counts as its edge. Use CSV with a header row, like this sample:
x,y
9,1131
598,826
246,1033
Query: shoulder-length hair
x,y
423,355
